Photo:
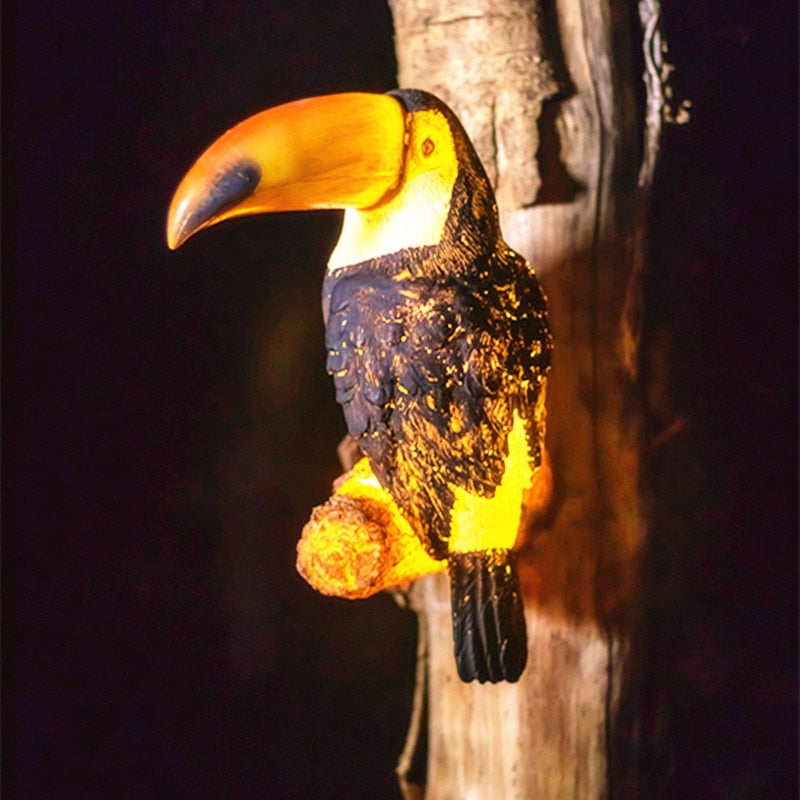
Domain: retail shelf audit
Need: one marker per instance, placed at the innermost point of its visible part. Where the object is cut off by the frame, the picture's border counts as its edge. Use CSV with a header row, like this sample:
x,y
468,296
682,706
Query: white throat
x,y
415,217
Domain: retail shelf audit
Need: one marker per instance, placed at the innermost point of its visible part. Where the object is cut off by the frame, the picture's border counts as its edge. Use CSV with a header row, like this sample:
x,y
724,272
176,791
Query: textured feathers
x,y
434,352
429,372
488,617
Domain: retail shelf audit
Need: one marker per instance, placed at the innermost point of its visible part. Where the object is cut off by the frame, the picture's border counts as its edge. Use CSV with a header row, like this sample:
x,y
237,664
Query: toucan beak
x,y
336,151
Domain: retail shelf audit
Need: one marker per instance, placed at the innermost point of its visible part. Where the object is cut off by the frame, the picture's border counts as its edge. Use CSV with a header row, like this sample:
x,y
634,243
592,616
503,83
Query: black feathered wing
x,y
403,359
430,374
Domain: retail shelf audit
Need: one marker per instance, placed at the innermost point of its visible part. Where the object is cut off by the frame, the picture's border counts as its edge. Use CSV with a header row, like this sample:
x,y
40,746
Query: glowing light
x,y
486,523
358,543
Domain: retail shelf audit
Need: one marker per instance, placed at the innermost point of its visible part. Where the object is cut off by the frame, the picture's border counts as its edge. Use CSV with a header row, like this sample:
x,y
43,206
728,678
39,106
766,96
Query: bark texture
x,y
546,92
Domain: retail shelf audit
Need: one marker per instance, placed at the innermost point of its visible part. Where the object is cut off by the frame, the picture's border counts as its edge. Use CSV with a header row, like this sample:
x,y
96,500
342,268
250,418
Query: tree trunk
x,y
546,93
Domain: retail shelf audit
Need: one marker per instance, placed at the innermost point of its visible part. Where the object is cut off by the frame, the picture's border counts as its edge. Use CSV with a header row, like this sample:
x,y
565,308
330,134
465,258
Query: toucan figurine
x,y
436,331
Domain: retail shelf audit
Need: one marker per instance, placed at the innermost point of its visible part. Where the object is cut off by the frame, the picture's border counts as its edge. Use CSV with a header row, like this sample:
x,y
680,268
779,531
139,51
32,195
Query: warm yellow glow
x,y
361,482
358,542
415,214
485,523
336,151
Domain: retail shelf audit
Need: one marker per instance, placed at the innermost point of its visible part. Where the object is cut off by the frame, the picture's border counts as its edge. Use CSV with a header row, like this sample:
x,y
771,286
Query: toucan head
x,y
399,164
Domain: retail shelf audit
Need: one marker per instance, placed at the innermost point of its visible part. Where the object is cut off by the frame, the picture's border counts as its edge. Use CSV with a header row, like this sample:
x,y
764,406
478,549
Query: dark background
x,y
168,424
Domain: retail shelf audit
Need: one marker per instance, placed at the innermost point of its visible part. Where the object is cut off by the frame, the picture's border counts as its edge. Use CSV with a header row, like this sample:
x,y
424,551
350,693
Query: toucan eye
x,y
427,147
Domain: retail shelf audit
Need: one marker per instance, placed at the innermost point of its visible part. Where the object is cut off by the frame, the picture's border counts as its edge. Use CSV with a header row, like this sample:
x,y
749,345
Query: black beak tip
x,y
227,189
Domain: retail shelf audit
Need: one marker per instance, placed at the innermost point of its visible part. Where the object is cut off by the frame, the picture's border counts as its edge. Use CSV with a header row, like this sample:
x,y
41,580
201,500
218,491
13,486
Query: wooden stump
x,y
547,96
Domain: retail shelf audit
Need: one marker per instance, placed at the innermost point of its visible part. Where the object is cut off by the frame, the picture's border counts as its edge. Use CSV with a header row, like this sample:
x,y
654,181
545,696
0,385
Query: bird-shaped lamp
x,y
436,331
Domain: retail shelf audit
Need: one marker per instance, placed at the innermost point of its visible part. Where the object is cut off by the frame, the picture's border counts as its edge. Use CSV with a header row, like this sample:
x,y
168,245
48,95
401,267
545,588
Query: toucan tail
x,y
488,617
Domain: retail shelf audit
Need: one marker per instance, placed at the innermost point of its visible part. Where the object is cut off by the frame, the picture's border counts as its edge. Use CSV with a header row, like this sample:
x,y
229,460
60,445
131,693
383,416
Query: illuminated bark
x,y
546,93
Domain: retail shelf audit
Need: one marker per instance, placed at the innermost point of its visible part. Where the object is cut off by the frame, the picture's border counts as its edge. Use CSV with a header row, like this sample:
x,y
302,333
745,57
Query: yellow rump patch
x,y
486,523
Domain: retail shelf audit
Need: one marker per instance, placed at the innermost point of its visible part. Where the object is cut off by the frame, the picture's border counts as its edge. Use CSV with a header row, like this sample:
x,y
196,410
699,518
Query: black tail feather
x,y
488,617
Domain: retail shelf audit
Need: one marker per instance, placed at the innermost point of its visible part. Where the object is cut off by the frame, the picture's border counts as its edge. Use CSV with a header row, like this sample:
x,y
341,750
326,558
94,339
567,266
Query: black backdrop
x,y
168,424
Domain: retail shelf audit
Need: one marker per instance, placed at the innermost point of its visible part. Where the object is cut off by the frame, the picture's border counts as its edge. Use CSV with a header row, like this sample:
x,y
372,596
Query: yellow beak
x,y
336,151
